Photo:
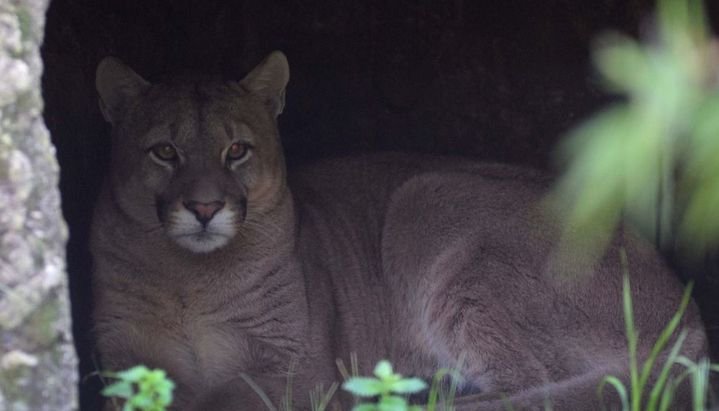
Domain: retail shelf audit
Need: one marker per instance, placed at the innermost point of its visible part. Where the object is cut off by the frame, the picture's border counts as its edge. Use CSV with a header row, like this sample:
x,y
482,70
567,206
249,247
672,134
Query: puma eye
x,y
237,152
164,152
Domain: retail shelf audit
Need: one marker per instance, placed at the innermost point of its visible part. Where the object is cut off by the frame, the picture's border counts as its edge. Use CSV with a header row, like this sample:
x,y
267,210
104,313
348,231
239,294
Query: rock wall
x,y
37,359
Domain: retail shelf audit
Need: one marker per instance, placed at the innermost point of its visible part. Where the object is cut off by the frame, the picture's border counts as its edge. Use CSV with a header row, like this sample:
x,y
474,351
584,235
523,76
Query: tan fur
x,y
420,260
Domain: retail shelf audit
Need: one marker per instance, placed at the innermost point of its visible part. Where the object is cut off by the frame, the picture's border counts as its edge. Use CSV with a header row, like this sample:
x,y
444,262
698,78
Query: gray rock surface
x,y
37,358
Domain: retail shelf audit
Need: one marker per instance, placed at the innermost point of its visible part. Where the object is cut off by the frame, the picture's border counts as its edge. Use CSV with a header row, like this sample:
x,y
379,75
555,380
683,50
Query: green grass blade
x,y
667,396
664,336
661,384
436,388
618,386
342,369
689,366
324,400
448,402
256,388
287,406
700,377
686,362
354,364
632,337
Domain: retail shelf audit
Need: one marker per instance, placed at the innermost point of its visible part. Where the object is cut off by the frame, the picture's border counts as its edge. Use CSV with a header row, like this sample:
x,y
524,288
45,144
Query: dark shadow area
x,y
499,81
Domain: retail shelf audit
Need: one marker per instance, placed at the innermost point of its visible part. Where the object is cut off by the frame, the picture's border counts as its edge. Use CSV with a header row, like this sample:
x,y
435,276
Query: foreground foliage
x,y
651,156
660,396
389,388
141,389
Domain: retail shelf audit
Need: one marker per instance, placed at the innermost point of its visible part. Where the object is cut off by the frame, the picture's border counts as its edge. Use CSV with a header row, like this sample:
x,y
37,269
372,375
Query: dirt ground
x,y
499,81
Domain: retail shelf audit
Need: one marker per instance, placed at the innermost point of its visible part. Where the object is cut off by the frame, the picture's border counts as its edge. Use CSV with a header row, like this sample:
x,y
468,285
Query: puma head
x,y
196,159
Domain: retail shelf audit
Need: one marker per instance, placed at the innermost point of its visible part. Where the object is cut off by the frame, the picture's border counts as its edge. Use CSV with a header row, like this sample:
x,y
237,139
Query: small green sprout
x,y
141,388
385,386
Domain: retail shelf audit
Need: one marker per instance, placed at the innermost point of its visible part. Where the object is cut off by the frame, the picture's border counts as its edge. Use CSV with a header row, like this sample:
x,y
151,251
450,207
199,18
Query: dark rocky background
x,y
500,80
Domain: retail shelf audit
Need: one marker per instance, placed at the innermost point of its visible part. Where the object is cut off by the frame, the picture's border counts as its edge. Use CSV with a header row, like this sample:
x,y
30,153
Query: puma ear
x,y
117,85
269,79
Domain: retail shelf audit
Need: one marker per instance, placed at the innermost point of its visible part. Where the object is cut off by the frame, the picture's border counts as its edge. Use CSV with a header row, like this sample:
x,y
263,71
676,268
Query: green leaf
x,y
164,392
408,386
392,403
120,389
142,402
133,374
623,63
383,370
700,224
365,407
364,386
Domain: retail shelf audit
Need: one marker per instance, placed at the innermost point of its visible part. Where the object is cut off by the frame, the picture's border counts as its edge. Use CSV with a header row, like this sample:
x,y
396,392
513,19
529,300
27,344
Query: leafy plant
x,y
651,156
141,389
386,387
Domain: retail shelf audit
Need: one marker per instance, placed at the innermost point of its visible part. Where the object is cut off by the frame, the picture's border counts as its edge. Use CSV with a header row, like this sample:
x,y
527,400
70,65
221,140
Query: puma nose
x,y
204,211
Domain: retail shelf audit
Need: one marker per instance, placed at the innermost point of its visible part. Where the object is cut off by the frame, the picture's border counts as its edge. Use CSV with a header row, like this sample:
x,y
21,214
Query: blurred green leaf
x,y
652,157
383,369
384,387
622,62
408,386
392,403
133,374
365,407
364,386
120,389
141,388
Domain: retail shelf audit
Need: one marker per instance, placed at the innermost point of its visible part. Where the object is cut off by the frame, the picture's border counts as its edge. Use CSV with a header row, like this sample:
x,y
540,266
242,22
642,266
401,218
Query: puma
x,y
215,264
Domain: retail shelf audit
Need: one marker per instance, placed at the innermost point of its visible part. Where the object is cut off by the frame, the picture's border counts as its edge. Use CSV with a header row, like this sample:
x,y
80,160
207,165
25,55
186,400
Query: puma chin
x,y
189,231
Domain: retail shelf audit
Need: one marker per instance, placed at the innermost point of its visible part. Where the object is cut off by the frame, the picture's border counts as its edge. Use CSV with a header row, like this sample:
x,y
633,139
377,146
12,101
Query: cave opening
x,y
493,81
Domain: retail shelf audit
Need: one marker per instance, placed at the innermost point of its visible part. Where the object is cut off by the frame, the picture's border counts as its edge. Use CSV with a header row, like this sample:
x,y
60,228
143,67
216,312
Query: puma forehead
x,y
198,159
